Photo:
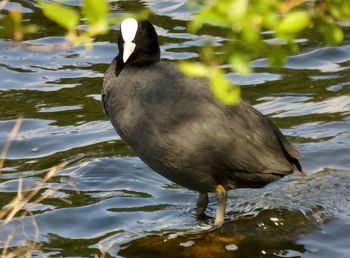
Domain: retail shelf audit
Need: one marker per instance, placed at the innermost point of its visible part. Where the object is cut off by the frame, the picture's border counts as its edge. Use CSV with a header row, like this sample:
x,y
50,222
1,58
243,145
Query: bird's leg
x,y
221,198
202,203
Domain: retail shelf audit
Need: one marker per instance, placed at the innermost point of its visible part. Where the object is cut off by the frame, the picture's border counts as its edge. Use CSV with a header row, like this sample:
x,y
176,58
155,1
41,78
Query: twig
x,y
12,136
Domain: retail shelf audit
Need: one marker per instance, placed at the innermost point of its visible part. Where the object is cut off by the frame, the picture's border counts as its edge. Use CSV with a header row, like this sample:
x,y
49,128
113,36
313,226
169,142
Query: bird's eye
x,y
141,32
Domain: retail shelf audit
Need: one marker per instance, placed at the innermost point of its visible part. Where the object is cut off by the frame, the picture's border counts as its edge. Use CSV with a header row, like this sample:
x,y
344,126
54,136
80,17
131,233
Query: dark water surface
x,y
125,206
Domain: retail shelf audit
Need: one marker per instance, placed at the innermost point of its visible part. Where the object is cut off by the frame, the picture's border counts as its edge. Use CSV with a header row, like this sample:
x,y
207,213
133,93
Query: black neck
x,y
119,65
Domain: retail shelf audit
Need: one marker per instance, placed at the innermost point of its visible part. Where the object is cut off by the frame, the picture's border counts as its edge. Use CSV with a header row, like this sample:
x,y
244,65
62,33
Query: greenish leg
x,y
202,203
221,198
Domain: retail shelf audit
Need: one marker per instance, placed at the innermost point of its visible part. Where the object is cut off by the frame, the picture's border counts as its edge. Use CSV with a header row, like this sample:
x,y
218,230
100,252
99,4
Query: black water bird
x,y
173,123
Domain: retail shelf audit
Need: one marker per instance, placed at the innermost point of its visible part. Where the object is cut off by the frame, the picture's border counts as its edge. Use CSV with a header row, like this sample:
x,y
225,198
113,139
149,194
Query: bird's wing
x,y
240,135
267,148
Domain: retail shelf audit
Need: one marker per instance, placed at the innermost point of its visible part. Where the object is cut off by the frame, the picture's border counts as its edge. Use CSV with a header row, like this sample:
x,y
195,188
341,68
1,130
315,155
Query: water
x,y
125,207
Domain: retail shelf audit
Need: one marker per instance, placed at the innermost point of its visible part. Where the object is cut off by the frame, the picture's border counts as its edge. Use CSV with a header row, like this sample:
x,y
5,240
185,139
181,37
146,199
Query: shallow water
x,y
125,207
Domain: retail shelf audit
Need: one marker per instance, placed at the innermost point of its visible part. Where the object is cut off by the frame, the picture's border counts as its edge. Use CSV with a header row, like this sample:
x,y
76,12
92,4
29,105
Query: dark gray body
x,y
174,125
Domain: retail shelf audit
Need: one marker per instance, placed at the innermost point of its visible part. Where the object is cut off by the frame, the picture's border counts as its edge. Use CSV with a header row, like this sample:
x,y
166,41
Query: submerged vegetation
x,y
16,217
17,211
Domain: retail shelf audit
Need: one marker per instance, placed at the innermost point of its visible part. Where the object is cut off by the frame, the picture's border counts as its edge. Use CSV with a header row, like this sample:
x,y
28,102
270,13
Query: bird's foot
x,y
202,203
221,197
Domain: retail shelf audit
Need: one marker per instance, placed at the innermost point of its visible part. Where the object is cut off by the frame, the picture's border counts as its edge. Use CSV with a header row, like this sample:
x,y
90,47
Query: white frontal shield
x,y
128,29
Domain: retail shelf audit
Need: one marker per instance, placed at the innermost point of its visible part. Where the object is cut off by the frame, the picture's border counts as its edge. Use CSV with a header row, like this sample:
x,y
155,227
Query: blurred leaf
x,y
333,34
290,4
11,25
250,36
224,90
277,56
270,20
32,28
194,25
96,14
194,69
16,16
237,9
293,22
207,53
340,9
212,17
292,48
94,10
240,63
66,17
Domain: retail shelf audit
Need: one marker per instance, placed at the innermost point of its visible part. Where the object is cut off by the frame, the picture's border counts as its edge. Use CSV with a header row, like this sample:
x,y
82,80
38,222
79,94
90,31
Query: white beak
x,y
129,48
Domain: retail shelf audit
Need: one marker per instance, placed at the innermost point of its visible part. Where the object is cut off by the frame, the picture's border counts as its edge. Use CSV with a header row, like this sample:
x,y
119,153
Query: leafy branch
x,y
247,21
95,12
254,29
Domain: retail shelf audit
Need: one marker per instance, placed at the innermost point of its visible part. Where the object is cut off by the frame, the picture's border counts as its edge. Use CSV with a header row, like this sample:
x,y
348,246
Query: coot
x,y
173,123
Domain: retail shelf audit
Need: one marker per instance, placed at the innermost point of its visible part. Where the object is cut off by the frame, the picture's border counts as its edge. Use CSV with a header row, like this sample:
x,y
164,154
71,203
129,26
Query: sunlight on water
x,y
125,207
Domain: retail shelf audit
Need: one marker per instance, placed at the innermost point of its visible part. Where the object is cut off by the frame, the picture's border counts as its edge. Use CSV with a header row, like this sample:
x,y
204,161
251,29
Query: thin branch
x,y
12,136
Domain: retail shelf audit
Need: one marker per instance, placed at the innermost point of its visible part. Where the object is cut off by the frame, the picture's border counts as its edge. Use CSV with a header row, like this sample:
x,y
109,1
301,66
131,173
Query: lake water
x,y
125,207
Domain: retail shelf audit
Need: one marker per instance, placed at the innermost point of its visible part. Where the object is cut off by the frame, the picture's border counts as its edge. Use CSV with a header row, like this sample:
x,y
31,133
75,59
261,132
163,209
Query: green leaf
x,y
96,13
194,25
250,36
194,69
270,19
207,54
340,9
333,34
293,22
67,17
237,9
212,17
240,63
31,28
224,90
277,56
